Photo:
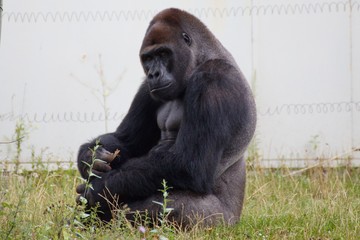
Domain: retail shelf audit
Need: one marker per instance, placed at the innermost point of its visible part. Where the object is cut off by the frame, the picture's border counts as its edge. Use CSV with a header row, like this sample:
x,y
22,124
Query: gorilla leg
x,y
223,206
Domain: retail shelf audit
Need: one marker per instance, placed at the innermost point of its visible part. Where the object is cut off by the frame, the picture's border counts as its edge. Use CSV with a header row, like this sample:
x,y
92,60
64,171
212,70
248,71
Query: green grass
x,y
317,204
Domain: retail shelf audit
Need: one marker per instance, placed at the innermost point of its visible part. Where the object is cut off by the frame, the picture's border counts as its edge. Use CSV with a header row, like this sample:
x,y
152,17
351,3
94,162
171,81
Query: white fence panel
x,y
70,69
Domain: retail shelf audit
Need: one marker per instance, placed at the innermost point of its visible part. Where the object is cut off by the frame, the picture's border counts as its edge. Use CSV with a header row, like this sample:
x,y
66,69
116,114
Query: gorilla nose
x,y
154,75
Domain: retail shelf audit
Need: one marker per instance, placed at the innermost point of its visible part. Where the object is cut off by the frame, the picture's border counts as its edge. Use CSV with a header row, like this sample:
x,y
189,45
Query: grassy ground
x,y
317,204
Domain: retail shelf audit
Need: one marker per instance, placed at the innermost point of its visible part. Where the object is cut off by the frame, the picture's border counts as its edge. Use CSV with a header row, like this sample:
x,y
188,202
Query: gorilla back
x,y
190,124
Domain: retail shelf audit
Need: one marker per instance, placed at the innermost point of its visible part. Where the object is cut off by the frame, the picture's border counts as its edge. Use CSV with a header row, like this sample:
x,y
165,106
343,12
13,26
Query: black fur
x,y
191,75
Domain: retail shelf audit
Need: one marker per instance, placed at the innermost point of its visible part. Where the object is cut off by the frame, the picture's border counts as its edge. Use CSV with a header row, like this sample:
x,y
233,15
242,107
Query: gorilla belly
x,y
169,118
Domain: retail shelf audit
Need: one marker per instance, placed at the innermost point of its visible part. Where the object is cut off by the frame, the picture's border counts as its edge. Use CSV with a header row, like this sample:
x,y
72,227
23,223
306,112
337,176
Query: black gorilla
x,y
189,123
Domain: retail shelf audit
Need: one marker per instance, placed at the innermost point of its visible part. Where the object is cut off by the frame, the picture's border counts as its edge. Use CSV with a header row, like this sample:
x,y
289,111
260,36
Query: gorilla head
x,y
172,49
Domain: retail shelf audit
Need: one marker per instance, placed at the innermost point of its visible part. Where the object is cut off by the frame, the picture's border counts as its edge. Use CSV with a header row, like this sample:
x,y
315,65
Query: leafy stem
x,y
164,205
91,174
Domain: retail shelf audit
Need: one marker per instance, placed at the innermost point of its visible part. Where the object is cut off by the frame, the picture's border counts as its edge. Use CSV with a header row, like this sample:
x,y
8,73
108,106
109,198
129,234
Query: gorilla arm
x,y
135,136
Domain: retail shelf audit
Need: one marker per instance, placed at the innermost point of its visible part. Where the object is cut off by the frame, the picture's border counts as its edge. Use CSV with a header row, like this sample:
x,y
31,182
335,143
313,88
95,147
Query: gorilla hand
x,y
84,193
96,196
90,191
87,157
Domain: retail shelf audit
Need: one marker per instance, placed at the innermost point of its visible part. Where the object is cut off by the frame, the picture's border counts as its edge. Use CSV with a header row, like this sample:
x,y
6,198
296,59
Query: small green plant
x,y
84,215
91,166
165,226
165,210
37,160
20,133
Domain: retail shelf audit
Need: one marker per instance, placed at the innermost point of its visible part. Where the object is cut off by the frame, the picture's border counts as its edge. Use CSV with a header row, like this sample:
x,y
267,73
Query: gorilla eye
x,y
187,39
163,54
146,58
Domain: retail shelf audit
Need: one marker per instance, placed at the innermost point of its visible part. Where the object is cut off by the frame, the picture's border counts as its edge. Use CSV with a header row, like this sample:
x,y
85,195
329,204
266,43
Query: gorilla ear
x,y
187,38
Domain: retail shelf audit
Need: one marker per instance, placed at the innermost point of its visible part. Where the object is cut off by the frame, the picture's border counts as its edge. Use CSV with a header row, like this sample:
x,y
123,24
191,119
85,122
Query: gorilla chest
x,y
169,118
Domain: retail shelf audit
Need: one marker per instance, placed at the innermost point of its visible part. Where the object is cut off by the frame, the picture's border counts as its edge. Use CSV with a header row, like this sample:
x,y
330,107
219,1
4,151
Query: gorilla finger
x,y
85,157
88,154
80,200
105,155
101,167
81,188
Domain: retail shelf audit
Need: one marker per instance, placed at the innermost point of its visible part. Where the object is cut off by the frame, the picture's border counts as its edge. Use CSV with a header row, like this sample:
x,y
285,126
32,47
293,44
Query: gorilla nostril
x,y
154,75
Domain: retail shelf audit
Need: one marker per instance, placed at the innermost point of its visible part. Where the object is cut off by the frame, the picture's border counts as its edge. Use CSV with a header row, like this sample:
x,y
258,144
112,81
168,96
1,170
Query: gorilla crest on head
x,y
190,124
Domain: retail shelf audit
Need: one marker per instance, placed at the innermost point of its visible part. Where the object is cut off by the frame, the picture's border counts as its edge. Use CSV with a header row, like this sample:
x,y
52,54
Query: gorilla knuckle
x,y
80,188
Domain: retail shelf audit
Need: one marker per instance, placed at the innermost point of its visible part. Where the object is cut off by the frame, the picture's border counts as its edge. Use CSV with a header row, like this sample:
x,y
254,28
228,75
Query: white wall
x,y
302,58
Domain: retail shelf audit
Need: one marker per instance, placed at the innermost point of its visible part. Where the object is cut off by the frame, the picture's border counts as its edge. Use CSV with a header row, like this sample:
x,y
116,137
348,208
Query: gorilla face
x,y
167,60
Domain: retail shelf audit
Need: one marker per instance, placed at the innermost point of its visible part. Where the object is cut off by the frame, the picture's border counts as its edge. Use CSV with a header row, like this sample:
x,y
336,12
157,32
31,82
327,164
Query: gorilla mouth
x,y
154,90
